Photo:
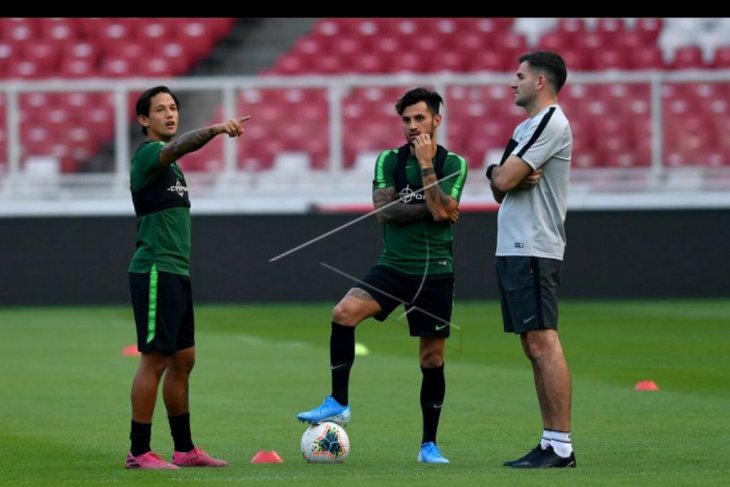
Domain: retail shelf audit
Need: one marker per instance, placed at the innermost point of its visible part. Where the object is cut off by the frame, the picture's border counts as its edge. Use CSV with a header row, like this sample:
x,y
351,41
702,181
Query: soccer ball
x,y
325,443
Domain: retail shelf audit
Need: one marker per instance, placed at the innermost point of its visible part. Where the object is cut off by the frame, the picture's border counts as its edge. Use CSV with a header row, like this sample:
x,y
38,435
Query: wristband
x,y
489,171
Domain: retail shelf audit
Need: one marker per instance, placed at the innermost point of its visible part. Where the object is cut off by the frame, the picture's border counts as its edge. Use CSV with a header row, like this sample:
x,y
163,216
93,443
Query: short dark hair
x,y
143,102
433,100
551,63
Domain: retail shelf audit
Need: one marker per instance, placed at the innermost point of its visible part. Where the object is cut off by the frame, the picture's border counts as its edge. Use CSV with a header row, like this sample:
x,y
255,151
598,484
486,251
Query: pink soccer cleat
x,y
196,458
149,460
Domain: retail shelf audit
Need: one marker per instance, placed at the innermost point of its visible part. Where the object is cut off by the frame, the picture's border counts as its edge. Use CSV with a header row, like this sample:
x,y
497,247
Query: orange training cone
x,y
646,385
267,456
130,351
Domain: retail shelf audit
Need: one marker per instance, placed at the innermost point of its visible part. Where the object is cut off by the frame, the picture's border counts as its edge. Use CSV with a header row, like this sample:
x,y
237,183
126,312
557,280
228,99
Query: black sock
x,y
140,435
342,355
433,391
180,431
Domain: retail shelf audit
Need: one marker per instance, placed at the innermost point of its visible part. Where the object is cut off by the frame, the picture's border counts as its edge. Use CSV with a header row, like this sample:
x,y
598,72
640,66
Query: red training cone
x,y
646,385
267,456
130,351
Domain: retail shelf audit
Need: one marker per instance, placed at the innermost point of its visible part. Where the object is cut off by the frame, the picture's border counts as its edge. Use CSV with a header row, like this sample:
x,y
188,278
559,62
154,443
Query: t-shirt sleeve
x,y
455,170
540,143
146,165
385,170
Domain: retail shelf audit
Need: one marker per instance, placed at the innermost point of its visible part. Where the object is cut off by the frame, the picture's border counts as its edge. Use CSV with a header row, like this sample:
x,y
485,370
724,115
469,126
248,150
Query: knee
x,y
345,313
539,346
432,358
182,366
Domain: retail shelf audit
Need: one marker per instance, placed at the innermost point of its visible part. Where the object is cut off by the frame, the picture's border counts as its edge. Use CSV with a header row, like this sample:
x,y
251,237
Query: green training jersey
x,y
425,246
162,206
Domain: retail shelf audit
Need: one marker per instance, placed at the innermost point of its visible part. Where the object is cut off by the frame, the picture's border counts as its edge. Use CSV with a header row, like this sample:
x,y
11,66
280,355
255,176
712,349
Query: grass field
x,y
64,418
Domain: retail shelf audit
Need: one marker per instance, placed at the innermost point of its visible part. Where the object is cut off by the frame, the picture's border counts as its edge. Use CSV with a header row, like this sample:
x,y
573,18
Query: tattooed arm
x,y
195,139
441,206
398,212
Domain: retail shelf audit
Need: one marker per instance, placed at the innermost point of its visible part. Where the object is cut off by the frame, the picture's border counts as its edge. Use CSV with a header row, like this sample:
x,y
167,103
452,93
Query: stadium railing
x,y
36,185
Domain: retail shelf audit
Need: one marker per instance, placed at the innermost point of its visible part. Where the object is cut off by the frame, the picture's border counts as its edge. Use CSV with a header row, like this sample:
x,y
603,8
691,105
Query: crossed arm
x,y
392,210
195,139
515,173
439,206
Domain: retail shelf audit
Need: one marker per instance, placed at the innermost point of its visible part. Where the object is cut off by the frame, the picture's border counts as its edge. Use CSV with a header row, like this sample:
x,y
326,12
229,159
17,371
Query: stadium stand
x,y
612,122
71,127
366,46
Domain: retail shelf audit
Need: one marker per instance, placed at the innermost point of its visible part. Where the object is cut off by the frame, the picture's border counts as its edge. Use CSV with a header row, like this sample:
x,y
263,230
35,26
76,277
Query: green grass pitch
x,y
64,413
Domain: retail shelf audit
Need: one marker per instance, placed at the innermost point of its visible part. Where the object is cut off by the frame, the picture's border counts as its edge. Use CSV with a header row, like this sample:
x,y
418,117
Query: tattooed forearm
x,y
402,213
433,191
390,210
187,142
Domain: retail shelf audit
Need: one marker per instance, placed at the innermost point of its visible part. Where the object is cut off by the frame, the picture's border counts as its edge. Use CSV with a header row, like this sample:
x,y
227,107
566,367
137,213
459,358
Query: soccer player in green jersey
x,y
416,191
159,279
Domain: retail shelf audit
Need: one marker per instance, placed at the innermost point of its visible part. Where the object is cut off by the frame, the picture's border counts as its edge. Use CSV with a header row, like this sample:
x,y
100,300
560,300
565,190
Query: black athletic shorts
x,y
428,302
529,289
163,311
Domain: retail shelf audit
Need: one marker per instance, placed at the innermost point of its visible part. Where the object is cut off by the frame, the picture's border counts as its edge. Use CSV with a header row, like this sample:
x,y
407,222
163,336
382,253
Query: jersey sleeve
x,y
540,142
146,165
455,170
385,170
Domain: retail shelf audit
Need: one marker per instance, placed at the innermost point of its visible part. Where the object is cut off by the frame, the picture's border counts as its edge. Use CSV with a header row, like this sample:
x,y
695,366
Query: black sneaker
x,y
535,451
539,458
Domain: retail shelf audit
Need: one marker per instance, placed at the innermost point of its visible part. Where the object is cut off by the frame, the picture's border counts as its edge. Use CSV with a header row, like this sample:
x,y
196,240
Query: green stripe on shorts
x,y
152,306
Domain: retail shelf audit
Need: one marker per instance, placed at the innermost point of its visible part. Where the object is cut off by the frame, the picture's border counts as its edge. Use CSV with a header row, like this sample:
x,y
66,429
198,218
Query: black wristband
x,y
489,171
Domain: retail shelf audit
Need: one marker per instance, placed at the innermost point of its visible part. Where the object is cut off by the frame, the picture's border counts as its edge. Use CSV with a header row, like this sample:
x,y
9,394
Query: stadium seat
x,y
721,57
44,54
487,60
570,29
19,29
687,57
610,58
649,28
556,41
645,57
611,29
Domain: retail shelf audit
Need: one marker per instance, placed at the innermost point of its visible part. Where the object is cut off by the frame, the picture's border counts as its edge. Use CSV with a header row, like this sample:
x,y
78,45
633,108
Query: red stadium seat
x,y
686,57
19,29
44,54
409,61
571,29
721,57
488,60
649,28
117,67
608,58
59,29
645,57
556,41
449,61
611,29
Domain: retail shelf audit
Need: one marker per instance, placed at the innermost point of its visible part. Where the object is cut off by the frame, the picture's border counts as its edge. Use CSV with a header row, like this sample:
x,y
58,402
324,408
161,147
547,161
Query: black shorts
x,y
428,302
163,311
529,289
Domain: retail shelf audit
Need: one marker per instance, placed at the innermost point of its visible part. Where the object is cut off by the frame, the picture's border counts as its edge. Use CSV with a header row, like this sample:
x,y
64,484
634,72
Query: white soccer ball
x,y
325,443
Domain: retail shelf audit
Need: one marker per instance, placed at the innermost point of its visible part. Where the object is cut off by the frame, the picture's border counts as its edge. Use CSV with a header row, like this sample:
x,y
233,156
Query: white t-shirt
x,y
531,222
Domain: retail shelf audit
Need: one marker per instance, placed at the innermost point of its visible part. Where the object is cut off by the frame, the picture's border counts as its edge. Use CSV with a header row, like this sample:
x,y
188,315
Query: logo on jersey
x,y
178,188
406,195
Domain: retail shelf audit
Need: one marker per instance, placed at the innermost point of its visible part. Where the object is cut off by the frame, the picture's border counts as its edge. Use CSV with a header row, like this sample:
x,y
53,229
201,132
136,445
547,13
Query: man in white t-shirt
x,y
531,184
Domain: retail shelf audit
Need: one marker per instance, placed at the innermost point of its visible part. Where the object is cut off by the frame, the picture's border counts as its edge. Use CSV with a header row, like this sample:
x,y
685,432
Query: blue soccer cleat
x,y
430,454
329,410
